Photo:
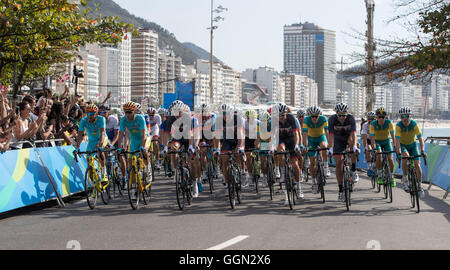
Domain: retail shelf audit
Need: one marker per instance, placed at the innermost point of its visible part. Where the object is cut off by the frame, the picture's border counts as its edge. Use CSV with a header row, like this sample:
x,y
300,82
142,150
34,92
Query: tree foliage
x,y
36,34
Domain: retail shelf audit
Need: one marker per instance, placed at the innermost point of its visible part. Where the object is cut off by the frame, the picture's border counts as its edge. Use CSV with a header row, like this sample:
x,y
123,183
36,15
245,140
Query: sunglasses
x,y
129,112
342,115
283,115
91,114
381,117
314,116
405,116
102,113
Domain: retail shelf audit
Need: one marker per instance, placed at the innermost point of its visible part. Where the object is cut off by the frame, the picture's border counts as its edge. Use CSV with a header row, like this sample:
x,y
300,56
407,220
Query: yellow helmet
x,y
251,114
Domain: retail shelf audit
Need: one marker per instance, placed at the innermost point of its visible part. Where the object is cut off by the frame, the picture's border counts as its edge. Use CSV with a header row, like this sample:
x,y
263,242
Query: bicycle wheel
x,y
134,193
237,184
415,189
347,188
270,178
209,174
117,183
146,194
321,182
90,189
255,174
181,196
106,193
288,188
231,188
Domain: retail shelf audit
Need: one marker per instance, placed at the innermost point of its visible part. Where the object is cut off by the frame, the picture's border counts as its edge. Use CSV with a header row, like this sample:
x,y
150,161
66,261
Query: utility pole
x,y
370,61
212,28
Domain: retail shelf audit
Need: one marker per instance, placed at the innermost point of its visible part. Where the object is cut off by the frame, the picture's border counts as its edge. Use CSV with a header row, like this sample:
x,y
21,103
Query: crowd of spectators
x,y
41,117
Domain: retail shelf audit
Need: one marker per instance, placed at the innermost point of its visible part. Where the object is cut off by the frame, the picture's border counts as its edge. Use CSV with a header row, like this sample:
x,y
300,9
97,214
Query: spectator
x,y
23,130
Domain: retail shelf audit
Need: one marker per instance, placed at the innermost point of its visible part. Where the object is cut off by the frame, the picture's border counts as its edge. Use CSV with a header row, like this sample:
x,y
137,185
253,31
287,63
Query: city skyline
x,y
247,39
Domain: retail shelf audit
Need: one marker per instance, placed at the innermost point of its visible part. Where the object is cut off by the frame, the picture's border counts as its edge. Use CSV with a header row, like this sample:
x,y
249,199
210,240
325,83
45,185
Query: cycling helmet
x,y
176,107
226,108
91,108
129,106
371,115
314,110
279,108
380,111
176,102
204,108
300,113
264,116
341,107
151,110
161,111
104,108
138,107
251,114
404,110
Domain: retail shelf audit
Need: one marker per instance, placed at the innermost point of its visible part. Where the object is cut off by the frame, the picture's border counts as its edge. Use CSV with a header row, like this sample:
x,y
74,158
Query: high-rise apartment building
x,y
311,51
169,67
144,66
266,77
300,91
91,70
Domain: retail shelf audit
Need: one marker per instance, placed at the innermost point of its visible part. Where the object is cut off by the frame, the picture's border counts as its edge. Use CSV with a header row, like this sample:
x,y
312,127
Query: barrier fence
x,y
35,175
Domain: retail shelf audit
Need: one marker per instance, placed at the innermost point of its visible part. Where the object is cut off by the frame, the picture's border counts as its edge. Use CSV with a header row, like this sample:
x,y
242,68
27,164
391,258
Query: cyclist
x,y
300,117
208,127
266,141
112,125
380,131
155,122
251,141
174,127
406,132
230,137
94,125
371,116
315,134
342,135
133,125
288,140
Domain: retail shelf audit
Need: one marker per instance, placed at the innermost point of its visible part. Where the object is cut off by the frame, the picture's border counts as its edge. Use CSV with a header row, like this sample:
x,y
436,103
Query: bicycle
x,y
305,170
386,175
289,180
371,168
348,181
183,181
234,179
321,177
152,156
256,167
270,173
137,184
210,168
92,180
112,169
413,181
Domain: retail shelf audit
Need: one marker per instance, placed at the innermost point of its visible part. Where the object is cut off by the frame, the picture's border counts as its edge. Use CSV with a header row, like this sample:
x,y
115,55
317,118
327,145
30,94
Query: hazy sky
x,y
252,33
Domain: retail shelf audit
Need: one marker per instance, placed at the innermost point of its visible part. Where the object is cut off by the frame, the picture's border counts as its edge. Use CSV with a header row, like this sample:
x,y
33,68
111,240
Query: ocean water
x,y
436,132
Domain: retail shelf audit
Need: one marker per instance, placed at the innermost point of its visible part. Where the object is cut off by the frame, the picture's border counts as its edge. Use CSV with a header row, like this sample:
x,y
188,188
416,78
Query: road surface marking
x,y
230,242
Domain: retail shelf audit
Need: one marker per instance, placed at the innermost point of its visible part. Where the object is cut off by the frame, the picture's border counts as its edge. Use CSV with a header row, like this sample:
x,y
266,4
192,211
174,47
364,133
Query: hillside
x,y
189,54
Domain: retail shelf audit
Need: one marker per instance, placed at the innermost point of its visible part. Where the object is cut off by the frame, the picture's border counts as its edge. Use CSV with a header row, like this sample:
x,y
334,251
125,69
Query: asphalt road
x,y
256,224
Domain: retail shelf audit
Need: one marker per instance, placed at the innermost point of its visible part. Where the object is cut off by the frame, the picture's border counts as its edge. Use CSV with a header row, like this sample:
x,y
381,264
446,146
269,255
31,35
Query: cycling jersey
x,y
407,135
381,132
154,125
288,128
111,126
207,129
229,131
134,128
342,130
175,129
93,130
315,130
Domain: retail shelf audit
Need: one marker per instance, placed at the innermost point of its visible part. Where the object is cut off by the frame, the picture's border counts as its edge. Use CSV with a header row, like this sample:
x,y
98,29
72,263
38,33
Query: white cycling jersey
x,y
154,125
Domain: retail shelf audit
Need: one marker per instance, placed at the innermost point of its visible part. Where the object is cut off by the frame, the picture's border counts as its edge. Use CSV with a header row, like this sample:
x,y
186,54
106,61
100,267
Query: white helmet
x,y
314,110
404,110
341,107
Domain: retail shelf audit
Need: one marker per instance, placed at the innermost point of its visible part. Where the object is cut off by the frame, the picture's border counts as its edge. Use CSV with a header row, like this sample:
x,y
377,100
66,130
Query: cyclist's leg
x,y
173,146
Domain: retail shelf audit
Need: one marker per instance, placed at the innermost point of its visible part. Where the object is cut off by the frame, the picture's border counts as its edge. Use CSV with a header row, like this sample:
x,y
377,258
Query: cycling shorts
x,y
314,143
412,149
384,145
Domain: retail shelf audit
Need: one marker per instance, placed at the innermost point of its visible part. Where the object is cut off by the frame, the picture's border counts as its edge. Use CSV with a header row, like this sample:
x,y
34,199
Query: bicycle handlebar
x,y
418,156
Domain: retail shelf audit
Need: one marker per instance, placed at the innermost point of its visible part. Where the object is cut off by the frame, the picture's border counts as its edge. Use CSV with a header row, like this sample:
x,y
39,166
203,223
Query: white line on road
x,y
230,242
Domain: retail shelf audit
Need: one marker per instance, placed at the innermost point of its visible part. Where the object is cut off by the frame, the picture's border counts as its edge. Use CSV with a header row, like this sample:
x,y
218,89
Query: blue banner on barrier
x,y
25,182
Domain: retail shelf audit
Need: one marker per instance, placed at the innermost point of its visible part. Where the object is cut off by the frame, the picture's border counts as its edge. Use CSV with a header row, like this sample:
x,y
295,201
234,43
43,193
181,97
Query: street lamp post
x,y
219,9
370,61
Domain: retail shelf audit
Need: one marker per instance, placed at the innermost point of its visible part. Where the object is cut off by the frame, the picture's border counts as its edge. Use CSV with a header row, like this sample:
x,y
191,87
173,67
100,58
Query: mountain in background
x,y
188,52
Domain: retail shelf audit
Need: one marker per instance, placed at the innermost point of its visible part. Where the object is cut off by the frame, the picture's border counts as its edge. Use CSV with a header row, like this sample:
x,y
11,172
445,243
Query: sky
x,y
251,35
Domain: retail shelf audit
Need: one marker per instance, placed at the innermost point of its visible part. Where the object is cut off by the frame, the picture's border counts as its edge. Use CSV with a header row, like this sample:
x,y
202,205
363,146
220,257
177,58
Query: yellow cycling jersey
x,y
315,130
407,135
381,132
